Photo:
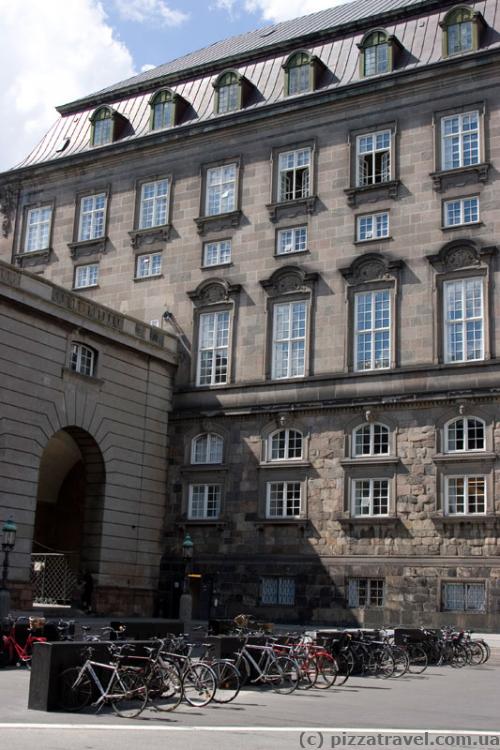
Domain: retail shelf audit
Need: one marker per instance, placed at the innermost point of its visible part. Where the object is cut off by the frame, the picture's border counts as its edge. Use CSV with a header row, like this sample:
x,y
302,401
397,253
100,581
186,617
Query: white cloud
x,y
51,53
150,11
282,10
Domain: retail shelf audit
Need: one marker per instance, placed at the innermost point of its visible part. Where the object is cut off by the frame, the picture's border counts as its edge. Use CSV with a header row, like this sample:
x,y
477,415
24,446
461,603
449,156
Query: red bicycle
x,y
17,644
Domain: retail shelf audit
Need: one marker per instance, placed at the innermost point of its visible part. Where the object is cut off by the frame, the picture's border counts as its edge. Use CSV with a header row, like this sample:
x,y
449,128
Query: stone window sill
x,y
441,178
203,468
139,279
288,464
216,265
373,241
292,254
201,522
349,520
35,258
139,237
466,456
80,289
486,518
297,207
389,189
461,227
299,523
88,247
371,461
218,222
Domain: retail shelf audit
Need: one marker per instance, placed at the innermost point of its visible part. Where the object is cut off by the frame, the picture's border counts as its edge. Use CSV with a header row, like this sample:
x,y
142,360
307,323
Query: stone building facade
x,y
312,209
85,398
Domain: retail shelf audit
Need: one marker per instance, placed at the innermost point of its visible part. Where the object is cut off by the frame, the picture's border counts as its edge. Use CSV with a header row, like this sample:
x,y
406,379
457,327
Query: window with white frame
x,y
148,265
154,204
292,240
463,597
83,359
465,495
38,223
463,320
274,590
370,497
204,501
373,158
221,189
465,434
289,340
213,348
217,253
207,449
294,177
461,211
366,592
371,440
92,217
460,145
372,324
284,500
86,276
372,226
285,445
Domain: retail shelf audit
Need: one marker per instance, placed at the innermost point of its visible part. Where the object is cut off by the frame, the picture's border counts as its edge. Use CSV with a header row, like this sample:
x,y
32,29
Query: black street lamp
x,y
9,530
186,602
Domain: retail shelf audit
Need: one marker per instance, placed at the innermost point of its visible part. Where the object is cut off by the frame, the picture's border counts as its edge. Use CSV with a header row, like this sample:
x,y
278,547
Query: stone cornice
x,y
296,104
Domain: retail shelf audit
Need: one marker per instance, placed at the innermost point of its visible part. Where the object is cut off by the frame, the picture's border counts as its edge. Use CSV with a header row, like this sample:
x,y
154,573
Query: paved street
x,y
441,699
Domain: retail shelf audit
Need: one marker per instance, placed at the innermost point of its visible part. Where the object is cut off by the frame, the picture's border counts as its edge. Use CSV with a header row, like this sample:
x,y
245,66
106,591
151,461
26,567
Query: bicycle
x,y
17,651
124,694
280,672
227,675
199,680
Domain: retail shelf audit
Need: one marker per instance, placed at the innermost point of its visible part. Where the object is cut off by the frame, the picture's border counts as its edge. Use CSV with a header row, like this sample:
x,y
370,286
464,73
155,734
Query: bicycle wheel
x,y
308,671
228,681
282,675
418,659
73,693
127,693
165,687
458,656
244,670
382,663
401,661
200,684
345,665
327,671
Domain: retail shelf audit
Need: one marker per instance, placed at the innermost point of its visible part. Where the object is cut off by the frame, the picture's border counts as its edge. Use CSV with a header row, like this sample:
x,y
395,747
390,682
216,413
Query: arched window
x,y
378,53
207,449
162,110
298,74
228,92
370,440
102,126
285,445
465,434
83,359
462,28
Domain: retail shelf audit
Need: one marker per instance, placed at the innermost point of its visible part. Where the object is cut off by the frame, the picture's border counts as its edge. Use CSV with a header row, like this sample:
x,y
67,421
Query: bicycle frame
x,y
260,666
88,667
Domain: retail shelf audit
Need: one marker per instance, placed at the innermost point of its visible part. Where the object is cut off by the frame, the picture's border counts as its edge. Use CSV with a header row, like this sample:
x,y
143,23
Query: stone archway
x,y
68,519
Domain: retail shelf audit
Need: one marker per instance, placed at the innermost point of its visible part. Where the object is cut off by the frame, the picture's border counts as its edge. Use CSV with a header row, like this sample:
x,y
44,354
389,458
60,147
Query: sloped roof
x,y
260,39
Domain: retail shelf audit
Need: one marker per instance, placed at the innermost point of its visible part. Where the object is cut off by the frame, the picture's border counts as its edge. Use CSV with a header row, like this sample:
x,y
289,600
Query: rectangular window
x,y
460,140
289,340
463,597
204,500
38,221
463,320
299,79
366,592
465,496
82,359
154,204
370,497
294,175
372,323
373,158
461,211
376,59
148,265
217,253
86,275
284,499
229,98
372,227
213,349
92,217
277,591
293,240
221,190
103,131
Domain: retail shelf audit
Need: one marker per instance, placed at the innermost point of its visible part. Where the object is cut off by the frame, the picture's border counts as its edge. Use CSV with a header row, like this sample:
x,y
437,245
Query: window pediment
x,y
460,254
371,267
213,292
289,280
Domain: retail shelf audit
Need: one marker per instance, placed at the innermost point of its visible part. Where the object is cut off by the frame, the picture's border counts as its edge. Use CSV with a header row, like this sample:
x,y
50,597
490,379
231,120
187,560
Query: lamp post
x,y
9,530
186,601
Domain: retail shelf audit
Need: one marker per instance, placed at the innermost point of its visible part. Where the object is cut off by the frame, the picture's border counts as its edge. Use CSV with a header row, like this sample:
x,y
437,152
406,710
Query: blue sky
x,y
77,47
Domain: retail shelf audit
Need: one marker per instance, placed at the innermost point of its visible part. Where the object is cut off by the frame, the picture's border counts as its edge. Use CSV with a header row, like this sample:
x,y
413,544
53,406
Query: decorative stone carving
x,y
88,247
289,280
9,195
374,192
38,258
371,267
139,237
213,292
219,222
291,209
460,254
461,176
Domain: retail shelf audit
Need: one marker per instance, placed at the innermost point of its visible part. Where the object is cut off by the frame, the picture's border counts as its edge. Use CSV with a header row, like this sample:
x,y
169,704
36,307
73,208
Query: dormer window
x,y
378,53
462,28
102,126
228,92
301,73
162,110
